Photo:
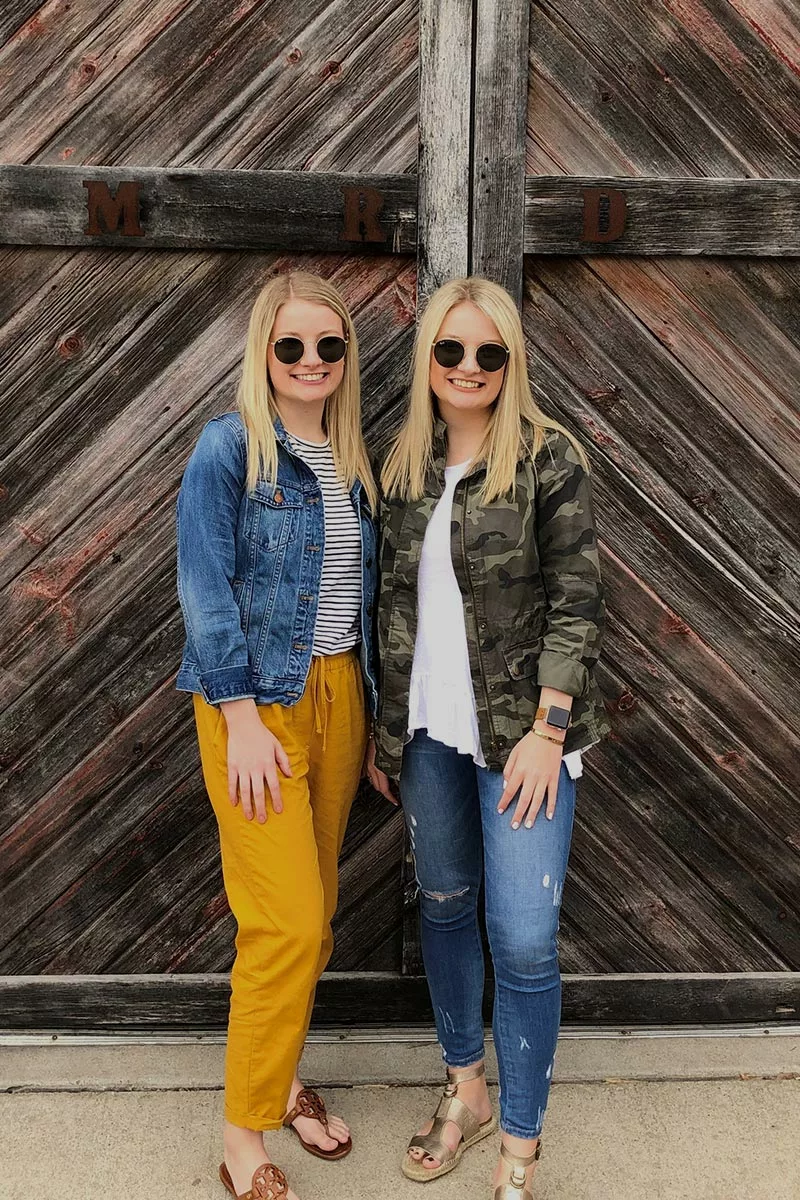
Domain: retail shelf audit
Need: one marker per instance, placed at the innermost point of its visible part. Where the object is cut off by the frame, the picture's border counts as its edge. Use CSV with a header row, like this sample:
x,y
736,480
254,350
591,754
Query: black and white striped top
x,y
338,626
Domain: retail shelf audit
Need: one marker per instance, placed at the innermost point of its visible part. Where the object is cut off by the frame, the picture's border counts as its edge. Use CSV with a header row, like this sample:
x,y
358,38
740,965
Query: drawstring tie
x,y
323,695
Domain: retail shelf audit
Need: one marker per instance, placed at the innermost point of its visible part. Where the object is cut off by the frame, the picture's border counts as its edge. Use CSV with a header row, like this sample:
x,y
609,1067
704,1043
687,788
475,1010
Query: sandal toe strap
x,y
269,1183
308,1104
433,1146
455,1110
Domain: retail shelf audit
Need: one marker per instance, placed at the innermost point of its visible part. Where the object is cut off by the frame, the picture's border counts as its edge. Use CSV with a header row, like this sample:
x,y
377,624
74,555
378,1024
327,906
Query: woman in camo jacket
x,y
489,626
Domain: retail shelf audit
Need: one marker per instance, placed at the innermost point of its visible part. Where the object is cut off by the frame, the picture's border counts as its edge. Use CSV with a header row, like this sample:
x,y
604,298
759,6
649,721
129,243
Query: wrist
x,y
239,713
547,733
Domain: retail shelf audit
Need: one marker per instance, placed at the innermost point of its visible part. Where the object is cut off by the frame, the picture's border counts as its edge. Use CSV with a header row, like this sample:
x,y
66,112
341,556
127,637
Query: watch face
x,y
558,717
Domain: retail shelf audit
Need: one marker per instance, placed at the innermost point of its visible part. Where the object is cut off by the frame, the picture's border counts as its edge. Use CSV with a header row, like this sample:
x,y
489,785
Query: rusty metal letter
x,y
362,207
604,214
105,210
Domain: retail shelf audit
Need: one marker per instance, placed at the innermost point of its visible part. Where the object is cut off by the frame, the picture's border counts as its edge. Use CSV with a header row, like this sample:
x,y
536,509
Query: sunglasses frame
x,y
452,366
290,337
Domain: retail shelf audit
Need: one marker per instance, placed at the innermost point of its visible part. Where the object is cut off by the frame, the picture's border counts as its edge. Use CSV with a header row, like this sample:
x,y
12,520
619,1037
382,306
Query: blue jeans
x,y
458,837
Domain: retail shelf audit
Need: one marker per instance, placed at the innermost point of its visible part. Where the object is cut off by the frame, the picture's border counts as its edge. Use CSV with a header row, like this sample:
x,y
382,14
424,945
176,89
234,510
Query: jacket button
x,y
279,497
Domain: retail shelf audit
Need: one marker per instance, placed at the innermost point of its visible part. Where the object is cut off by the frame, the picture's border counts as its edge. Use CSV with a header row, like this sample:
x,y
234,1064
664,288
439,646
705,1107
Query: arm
x,y
208,508
570,569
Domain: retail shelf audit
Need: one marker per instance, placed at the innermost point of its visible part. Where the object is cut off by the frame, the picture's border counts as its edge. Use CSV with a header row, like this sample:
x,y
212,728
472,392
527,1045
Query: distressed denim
x,y
459,838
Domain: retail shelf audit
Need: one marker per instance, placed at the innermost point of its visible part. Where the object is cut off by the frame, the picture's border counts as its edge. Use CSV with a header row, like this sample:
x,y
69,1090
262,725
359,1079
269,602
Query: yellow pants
x,y
281,879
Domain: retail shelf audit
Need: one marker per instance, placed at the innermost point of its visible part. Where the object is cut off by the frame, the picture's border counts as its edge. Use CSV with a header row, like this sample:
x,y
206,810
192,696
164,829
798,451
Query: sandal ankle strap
x,y
517,1160
469,1073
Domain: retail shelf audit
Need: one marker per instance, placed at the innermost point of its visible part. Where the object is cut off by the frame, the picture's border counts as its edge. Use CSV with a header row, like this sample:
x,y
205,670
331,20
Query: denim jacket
x,y
249,570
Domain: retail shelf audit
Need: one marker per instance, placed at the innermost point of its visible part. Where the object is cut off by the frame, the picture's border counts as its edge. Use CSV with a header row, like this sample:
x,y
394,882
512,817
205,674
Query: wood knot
x,y
625,703
604,397
331,68
294,55
88,69
71,345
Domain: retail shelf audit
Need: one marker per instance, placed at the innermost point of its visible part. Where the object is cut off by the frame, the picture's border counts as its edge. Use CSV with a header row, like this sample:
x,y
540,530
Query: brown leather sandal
x,y
310,1104
269,1183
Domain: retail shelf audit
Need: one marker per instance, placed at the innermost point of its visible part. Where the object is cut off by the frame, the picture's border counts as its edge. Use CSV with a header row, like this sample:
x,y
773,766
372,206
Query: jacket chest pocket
x,y
275,515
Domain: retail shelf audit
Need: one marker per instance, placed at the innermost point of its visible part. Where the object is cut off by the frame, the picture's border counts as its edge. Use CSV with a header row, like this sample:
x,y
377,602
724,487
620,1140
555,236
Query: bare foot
x,y
244,1154
313,1131
522,1147
475,1095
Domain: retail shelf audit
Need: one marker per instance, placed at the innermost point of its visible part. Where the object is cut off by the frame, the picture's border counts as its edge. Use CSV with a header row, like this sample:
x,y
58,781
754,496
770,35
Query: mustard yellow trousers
x,y
281,879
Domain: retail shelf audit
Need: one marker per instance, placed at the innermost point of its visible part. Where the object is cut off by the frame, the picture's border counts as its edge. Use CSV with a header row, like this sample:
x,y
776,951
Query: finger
x,y
282,759
536,802
258,796
233,784
523,803
245,793
513,782
274,789
552,796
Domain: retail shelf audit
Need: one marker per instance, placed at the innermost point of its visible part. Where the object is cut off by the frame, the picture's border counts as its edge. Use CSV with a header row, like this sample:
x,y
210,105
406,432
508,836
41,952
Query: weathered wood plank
x,y
182,208
445,56
498,141
200,1002
666,216
697,76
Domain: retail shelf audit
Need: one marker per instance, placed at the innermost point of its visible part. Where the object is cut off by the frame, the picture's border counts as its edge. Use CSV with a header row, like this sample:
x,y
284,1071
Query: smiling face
x,y
465,388
309,381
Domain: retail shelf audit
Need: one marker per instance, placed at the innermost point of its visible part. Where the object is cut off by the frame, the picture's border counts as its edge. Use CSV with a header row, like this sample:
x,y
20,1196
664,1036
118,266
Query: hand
x,y
379,779
254,754
532,769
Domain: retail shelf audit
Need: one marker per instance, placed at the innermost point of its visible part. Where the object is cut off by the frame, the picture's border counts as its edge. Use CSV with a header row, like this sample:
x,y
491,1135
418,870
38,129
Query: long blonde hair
x,y
517,425
256,399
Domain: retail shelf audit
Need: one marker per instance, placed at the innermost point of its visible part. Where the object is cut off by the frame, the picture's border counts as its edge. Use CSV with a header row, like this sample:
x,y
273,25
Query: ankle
x,y
237,1140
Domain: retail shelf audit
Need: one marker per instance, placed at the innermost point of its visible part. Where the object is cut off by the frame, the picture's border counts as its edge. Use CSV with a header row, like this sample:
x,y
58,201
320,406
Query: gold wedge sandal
x,y
515,1189
450,1109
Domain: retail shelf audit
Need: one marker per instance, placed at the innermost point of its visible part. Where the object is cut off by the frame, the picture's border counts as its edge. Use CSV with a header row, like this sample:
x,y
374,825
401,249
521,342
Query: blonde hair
x,y
517,425
256,398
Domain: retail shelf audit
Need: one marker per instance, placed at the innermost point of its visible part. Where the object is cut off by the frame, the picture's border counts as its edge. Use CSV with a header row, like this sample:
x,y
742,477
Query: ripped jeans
x,y
458,836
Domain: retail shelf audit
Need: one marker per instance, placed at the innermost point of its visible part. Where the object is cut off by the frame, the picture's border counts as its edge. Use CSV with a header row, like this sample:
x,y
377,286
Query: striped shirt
x,y
338,626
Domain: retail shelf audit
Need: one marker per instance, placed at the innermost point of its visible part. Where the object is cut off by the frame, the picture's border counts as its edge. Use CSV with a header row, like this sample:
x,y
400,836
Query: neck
x,y
303,420
465,433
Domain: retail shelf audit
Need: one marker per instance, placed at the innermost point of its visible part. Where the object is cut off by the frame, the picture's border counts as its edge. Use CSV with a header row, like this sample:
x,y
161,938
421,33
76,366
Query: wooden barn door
x,y
631,174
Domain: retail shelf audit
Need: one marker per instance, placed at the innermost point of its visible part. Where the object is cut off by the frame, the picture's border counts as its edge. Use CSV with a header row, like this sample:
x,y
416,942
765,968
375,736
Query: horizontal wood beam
x,y
125,1003
171,208
570,215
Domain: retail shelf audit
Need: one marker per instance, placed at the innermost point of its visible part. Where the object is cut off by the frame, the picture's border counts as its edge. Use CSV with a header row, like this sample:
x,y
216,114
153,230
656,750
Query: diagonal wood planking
x,y
112,361
688,87
689,826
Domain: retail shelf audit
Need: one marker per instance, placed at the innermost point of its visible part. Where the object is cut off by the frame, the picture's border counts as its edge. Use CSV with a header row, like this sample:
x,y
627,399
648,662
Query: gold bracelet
x,y
547,738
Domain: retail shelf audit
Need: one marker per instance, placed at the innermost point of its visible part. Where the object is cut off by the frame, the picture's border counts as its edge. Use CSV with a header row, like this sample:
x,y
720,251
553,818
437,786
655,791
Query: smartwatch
x,y
557,718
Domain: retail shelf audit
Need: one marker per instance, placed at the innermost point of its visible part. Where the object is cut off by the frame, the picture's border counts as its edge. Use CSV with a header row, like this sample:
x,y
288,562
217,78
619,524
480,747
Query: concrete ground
x,y
672,1118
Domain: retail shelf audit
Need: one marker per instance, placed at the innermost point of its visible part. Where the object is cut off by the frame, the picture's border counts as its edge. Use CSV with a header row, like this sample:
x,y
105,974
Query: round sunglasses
x,y
289,350
491,356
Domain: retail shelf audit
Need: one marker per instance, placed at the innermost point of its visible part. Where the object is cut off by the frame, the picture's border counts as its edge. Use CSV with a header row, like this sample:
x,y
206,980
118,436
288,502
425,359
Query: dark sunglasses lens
x,y
491,356
448,352
331,349
288,350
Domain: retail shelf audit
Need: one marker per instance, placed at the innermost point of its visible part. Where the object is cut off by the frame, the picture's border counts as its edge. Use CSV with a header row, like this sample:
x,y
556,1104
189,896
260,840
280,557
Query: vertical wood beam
x,y
500,102
445,93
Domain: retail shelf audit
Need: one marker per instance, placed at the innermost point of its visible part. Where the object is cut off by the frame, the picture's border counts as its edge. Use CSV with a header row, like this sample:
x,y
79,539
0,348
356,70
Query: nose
x,y
469,363
311,359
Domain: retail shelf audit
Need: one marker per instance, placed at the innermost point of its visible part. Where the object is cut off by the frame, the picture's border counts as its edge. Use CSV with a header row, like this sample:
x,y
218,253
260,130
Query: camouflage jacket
x,y
529,577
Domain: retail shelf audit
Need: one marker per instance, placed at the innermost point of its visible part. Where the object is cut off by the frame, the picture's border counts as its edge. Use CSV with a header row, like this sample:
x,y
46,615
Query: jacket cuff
x,y
227,683
563,673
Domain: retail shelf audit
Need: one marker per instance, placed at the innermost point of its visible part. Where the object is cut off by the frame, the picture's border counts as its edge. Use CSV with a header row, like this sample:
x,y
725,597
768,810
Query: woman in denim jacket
x,y
276,576
490,623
